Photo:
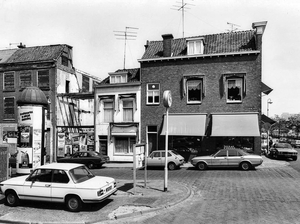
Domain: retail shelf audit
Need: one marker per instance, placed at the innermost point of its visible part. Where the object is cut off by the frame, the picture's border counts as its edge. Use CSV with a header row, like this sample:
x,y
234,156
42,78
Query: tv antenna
x,y
126,35
182,6
233,27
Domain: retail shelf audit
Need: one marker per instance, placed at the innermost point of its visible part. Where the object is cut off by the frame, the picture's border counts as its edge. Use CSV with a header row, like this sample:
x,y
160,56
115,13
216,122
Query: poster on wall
x,y
68,150
25,136
37,147
61,144
24,157
10,137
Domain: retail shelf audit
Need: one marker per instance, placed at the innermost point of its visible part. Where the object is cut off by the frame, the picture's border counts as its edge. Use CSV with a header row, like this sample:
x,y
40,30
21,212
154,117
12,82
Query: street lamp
x,y
268,102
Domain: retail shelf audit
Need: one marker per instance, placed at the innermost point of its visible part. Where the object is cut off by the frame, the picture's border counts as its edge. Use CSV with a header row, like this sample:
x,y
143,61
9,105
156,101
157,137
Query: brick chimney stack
x,y
259,30
167,44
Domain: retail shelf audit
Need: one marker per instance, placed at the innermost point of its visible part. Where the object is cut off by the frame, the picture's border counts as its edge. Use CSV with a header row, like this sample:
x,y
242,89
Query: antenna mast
x,y
233,27
126,35
182,7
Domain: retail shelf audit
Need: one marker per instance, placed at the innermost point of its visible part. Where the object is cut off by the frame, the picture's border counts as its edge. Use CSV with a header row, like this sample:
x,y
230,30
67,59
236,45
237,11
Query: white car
x,y
157,158
69,183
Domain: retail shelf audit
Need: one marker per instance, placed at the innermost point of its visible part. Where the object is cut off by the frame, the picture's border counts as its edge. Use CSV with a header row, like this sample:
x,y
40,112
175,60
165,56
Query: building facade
x,y
117,114
51,69
215,81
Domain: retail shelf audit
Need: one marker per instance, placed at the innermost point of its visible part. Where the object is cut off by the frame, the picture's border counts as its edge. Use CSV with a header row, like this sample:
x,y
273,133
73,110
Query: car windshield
x,y
283,145
176,153
80,174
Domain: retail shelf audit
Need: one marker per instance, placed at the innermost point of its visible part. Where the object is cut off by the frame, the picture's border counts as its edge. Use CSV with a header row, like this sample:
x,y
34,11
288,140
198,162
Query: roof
x,y
33,54
6,54
242,41
133,75
64,166
32,95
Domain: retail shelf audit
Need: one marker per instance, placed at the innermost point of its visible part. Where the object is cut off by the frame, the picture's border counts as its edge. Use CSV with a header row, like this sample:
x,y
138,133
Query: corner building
x,y
215,81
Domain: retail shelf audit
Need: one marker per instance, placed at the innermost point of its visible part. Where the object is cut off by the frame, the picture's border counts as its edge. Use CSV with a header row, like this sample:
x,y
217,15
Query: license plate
x,y
109,188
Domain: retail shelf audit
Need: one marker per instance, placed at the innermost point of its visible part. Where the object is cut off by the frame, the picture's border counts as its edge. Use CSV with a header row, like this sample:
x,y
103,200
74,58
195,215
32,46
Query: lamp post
x,y
268,102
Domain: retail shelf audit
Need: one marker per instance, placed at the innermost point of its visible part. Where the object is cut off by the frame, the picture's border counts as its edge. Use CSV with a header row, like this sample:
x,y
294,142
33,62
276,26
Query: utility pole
x,y
126,35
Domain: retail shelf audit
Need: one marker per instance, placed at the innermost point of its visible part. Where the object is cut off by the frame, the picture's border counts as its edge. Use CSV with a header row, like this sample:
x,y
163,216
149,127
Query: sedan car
x,y
157,158
91,159
69,183
228,158
283,150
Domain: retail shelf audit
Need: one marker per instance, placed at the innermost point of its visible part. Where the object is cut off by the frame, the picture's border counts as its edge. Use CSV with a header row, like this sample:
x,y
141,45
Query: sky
x,y
90,27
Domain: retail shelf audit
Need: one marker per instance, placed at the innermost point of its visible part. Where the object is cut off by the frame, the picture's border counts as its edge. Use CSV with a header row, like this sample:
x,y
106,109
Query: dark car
x,y
91,159
283,150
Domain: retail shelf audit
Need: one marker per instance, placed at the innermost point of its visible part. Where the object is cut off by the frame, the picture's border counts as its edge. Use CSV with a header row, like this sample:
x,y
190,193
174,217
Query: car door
x,y
38,185
61,185
234,158
219,159
155,159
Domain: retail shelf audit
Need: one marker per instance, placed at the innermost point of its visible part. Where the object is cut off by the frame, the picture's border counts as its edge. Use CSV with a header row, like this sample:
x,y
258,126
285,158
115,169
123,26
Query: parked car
x,y
283,150
91,159
228,158
157,158
69,183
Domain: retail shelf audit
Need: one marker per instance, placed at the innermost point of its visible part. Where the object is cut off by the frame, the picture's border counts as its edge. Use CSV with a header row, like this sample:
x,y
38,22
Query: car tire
x,y
73,203
90,165
11,199
201,166
171,166
294,158
245,166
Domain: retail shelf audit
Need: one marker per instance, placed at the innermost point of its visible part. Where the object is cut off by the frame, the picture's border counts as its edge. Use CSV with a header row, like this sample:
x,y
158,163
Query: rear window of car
x,y
80,174
283,145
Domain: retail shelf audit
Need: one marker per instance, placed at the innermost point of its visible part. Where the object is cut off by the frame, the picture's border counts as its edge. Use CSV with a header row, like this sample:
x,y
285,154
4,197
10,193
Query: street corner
x,y
143,198
272,163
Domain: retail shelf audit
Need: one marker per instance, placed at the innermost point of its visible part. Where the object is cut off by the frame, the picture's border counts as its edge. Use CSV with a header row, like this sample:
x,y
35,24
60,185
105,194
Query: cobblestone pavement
x,y
269,195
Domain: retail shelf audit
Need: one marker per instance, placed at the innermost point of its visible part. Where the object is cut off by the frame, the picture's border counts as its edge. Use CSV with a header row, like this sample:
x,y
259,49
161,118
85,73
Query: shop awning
x,y
124,130
185,125
243,125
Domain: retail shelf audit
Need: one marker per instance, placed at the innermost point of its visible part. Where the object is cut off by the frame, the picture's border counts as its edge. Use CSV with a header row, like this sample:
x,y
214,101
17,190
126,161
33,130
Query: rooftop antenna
x,y
126,35
233,27
182,6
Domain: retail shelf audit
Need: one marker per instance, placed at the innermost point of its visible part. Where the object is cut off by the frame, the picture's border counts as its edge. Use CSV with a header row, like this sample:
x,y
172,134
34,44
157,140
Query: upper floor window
x,y
108,107
9,108
64,61
25,79
234,90
43,79
194,91
9,81
118,78
127,110
153,93
195,46
85,83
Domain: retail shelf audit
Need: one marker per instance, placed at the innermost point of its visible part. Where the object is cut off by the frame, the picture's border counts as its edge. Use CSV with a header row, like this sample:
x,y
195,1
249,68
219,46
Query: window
x,y
9,108
232,153
64,61
41,175
43,79
156,154
118,79
234,89
85,83
127,110
9,81
108,108
124,144
222,153
25,79
153,92
194,91
67,86
60,176
195,46
152,138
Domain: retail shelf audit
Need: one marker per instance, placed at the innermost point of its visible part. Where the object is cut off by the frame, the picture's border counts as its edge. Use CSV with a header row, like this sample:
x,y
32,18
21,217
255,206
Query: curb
x,y
169,205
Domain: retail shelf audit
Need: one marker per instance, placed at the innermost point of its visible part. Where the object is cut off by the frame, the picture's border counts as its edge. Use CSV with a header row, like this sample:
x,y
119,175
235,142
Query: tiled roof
x,y
39,53
213,44
133,75
5,54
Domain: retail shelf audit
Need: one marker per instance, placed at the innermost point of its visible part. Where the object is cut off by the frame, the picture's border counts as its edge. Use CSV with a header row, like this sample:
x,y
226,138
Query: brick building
x,y
215,81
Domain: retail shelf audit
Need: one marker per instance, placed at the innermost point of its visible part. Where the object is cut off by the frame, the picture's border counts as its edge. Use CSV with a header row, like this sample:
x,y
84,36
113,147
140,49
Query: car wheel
x,y
201,166
90,165
294,158
11,199
245,166
73,203
171,166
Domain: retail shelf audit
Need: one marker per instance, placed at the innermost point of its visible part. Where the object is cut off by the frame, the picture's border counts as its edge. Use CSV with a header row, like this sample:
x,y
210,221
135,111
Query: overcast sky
x,y
89,27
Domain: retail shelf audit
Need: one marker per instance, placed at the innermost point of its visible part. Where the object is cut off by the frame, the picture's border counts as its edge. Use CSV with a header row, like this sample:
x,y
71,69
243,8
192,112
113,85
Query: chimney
x,y
259,31
167,44
146,45
21,45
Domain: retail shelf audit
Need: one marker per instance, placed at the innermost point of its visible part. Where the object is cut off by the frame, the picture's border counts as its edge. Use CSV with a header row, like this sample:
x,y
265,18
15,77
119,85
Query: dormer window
x,y
118,78
195,46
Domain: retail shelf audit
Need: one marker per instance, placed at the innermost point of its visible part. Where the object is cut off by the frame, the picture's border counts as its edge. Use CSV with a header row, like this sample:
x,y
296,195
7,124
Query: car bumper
x,y
100,199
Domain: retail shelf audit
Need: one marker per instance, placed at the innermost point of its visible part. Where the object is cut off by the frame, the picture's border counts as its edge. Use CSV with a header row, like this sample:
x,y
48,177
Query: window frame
x,y
5,82
131,140
113,79
22,83
127,108
47,85
12,116
201,91
241,89
193,42
153,96
106,109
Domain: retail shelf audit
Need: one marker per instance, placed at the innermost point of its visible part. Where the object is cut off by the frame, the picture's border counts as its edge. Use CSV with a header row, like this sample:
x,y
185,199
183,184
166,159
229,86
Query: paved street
x,y
265,195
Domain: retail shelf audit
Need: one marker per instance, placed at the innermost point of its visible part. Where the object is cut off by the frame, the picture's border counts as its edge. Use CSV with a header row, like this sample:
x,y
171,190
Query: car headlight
x,y
101,192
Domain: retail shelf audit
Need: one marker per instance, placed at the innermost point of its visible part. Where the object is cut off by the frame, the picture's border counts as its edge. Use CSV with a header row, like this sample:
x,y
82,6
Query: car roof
x,y
62,166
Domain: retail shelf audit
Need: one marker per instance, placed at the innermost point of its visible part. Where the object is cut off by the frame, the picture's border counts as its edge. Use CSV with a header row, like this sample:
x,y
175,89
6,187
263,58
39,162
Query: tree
x,y
280,126
293,122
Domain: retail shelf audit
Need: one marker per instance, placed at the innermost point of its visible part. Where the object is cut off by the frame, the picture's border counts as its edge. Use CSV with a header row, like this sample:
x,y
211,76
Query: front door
x,y
219,159
155,159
